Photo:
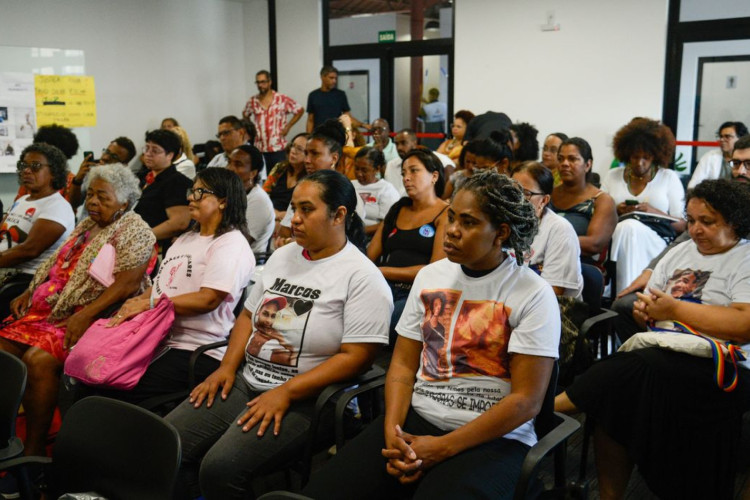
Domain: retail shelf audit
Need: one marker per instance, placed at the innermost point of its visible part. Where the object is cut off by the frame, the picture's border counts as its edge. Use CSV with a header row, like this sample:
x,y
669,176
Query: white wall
x,y
149,59
300,50
604,66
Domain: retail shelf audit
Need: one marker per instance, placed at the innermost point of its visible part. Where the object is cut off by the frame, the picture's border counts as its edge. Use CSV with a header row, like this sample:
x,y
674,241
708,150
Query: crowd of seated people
x,y
451,262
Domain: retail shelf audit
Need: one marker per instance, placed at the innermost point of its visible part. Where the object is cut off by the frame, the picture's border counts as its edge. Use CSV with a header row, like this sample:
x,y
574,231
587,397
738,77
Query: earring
x,y
221,207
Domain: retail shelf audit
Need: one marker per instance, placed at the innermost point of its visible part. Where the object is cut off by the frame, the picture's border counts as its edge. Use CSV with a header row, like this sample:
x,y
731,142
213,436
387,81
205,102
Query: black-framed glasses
x,y
110,154
727,137
34,166
225,133
258,82
528,194
197,193
153,150
736,164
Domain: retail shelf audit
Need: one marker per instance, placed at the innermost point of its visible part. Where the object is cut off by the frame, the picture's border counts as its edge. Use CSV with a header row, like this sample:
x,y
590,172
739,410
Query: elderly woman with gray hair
x,y
64,298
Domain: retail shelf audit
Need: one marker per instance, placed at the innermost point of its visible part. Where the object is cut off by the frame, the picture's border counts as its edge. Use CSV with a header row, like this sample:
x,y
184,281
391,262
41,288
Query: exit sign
x,y
387,36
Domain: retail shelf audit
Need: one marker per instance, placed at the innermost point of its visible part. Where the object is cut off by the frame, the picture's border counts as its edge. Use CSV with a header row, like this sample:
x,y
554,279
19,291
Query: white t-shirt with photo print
x,y
466,370
317,306
378,197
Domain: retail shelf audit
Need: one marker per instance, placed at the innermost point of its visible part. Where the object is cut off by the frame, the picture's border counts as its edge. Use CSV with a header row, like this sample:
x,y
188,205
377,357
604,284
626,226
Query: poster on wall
x,y
65,100
17,118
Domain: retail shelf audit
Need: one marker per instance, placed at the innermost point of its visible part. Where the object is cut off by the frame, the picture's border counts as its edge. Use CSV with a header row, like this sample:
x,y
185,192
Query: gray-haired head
x,y
121,178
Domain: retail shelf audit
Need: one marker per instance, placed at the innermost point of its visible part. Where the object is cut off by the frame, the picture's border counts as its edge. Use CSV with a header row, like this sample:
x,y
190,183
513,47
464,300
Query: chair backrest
x,y
593,286
545,421
117,449
13,377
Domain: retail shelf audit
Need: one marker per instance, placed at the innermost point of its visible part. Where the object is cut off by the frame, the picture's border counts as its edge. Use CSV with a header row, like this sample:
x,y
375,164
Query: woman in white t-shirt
x,y
37,222
463,430
676,414
378,194
203,274
644,184
327,308
555,253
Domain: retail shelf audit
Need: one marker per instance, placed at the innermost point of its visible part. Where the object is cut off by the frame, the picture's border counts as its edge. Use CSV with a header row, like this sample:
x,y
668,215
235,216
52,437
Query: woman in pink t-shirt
x,y
203,273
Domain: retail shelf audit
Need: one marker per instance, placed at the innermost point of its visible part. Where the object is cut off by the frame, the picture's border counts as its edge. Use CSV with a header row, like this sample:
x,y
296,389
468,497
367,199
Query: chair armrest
x,y
194,359
21,461
604,315
556,437
344,400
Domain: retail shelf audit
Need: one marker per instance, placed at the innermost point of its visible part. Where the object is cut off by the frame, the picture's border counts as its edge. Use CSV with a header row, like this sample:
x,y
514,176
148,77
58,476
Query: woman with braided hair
x,y
460,427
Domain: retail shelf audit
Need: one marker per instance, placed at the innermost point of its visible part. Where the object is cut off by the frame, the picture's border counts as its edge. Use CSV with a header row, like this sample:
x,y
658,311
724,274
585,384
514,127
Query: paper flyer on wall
x,y
17,117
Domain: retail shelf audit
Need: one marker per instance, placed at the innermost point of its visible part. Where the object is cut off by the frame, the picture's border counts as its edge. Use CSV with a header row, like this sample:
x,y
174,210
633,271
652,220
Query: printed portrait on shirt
x,y
438,310
687,284
278,329
480,340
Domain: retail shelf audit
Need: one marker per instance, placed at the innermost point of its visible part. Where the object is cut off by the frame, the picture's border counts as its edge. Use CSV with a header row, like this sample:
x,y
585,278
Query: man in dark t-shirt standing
x,y
328,101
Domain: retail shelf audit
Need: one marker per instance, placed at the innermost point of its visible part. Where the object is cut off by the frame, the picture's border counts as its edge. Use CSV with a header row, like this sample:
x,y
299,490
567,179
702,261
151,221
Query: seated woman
x,y
555,254
411,235
63,299
162,204
316,317
203,273
644,184
284,176
661,409
379,195
479,154
525,144
452,147
588,208
247,162
549,154
37,223
461,399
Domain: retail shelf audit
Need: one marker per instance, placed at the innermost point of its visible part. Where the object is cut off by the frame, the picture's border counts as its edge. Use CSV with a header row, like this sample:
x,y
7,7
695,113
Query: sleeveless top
x,y
579,215
409,247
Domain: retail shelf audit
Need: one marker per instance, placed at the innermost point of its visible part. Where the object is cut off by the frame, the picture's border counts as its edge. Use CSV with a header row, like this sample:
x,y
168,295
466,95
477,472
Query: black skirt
x,y
664,407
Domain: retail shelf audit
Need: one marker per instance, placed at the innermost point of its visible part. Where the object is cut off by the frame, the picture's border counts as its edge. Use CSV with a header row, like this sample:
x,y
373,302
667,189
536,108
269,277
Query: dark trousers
x,y
489,470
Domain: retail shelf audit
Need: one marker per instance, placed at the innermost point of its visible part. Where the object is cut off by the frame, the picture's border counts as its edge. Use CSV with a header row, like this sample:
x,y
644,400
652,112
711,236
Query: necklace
x,y
629,176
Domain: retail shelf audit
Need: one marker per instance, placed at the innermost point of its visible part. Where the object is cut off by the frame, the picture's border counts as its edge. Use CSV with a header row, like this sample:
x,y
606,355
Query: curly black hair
x,y
61,137
648,136
58,164
730,198
502,200
528,148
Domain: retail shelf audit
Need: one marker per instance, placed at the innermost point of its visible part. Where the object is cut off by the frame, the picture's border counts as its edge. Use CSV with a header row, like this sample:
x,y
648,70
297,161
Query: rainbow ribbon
x,y
734,351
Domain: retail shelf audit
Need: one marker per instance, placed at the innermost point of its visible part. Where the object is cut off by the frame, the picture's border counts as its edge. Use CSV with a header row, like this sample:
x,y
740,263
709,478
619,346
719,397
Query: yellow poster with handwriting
x,y
65,100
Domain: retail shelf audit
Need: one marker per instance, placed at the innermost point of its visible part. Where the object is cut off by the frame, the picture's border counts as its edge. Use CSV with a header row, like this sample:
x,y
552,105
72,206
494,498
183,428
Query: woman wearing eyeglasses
x,y
37,223
163,205
555,254
203,273
285,175
63,298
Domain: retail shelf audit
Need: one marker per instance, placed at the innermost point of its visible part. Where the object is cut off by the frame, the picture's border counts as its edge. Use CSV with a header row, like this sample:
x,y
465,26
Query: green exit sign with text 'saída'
x,y
387,36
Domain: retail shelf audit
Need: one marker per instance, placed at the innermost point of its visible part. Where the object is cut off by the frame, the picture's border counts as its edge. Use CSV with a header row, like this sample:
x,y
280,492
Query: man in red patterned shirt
x,y
268,111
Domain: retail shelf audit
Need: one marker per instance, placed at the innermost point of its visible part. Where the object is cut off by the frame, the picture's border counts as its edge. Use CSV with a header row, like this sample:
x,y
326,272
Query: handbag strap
x,y
724,382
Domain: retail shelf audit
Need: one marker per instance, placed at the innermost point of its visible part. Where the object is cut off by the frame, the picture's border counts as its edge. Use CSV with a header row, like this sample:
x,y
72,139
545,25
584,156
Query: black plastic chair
x,y
598,327
13,375
553,430
113,448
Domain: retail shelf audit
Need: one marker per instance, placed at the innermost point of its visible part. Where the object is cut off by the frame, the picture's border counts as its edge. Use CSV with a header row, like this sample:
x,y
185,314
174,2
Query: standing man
x,y
381,139
715,163
268,111
328,101
406,140
232,134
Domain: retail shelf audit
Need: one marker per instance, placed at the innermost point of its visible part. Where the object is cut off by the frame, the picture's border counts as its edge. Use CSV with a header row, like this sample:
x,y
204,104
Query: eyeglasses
x,y
225,133
298,149
528,194
735,164
258,82
110,154
726,137
198,193
380,130
34,166
153,150
550,149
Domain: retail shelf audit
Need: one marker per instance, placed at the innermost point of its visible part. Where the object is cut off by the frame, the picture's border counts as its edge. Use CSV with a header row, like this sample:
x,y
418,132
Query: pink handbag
x,y
117,357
